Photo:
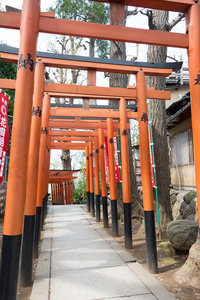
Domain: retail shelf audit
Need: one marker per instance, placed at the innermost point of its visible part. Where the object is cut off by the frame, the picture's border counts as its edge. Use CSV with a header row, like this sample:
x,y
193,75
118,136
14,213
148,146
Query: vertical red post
x,y
41,182
146,173
113,188
16,189
91,179
65,183
125,174
87,178
32,176
103,179
52,193
69,192
71,185
62,192
193,26
97,184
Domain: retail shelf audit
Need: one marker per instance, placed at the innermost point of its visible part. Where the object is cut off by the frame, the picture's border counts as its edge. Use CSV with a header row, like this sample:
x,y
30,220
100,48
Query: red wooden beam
x,y
101,31
170,5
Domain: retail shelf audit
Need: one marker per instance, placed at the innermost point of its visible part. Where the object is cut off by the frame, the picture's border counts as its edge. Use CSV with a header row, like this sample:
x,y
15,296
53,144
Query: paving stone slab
x,y
79,254
89,284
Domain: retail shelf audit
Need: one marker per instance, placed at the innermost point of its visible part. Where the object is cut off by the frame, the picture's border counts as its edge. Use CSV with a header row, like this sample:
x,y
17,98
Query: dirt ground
x,y
169,262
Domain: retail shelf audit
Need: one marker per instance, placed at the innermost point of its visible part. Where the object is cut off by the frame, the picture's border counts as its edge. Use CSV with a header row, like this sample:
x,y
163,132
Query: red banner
x,y
117,167
117,170
106,159
4,132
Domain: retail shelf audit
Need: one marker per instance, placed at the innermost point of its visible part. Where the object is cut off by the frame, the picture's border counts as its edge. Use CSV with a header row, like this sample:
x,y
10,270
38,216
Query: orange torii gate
x,y
31,23
64,135
85,124
62,178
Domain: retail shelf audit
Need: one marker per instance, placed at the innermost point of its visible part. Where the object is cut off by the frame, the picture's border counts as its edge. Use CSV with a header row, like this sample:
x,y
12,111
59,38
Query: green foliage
x,y
86,11
80,183
9,71
79,193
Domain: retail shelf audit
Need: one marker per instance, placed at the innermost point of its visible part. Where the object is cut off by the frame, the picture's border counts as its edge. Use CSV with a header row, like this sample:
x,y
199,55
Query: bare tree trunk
x,y
158,21
118,51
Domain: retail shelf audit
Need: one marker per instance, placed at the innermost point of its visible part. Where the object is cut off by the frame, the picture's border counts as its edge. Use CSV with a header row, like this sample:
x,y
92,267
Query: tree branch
x,y
131,12
175,21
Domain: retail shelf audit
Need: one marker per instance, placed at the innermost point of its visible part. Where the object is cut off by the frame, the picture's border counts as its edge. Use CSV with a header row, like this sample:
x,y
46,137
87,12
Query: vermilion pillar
x,y
97,185
69,192
43,144
113,188
87,178
46,180
57,194
16,190
91,179
146,173
52,193
62,192
125,174
65,183
193,26
32,176
71,186
103,179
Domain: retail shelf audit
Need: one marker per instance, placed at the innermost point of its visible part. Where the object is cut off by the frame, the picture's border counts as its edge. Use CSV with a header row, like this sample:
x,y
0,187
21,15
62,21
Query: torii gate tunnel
x,y
29,161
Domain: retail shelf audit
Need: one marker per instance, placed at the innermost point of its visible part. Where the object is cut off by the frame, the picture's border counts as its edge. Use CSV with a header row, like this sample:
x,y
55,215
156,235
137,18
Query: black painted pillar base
x,y
38,222
92,204
98,208
114,217
151,241
27,251
88,201
127,226
10,257
105,212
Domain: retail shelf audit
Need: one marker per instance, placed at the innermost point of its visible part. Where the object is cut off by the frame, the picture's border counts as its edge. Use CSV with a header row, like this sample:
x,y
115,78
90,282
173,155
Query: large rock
x,y
182,234
176,208
189,196
190,271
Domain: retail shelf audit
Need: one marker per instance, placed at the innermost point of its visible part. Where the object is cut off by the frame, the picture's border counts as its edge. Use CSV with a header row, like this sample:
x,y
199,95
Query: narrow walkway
x,y
80,261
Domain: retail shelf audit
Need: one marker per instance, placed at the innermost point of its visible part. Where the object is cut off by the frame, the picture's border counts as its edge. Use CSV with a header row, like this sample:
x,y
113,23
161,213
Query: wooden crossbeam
x,y
170,5
95,113
72,138
59,133
100,31
106,92
81,125
67,148
68,144
86,65
80,91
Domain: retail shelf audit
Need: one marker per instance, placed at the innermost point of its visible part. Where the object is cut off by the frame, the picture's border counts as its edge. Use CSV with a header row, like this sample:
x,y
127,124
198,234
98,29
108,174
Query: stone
x,y
189,273
176,209
189,196
186,212
179,217
180,195
182,234
193,205
173,199
182,207
190,217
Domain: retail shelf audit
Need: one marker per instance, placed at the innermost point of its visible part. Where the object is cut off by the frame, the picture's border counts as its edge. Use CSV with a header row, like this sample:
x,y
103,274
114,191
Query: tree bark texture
x,y
118,51
158,21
